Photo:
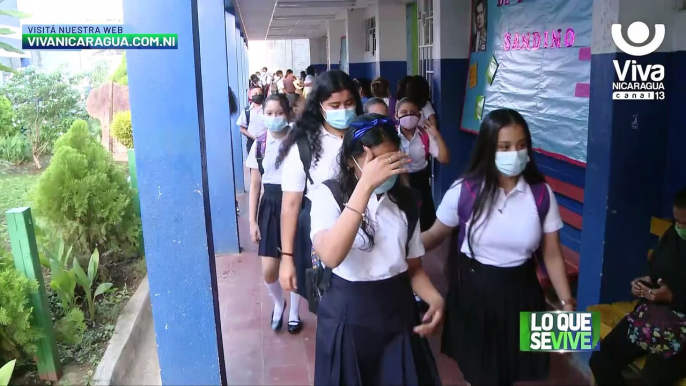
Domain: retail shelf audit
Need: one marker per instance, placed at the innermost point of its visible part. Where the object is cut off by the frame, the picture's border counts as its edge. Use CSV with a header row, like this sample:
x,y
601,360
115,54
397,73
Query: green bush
x,y
14,149
121,128
121,74
17,337
7,128
85,197
70,329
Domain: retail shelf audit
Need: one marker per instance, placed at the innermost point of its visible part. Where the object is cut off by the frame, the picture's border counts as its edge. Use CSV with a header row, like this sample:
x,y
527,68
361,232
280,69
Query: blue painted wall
x,y
675,176
362,70
215,49
167,115
393,71
320,67
235,69
449,78
623,182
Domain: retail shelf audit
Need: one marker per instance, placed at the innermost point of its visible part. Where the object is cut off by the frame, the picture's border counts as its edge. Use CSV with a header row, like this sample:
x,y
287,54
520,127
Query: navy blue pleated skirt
x,y
269,221
365,337
302,248
481,329
421,181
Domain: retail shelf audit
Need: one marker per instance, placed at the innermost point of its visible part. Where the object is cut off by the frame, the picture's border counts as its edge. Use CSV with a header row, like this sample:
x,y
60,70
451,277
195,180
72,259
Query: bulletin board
x,y
533,56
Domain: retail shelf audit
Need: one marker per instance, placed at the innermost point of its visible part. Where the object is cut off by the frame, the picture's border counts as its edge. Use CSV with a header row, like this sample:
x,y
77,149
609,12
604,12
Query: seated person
x,y
377,106
662,300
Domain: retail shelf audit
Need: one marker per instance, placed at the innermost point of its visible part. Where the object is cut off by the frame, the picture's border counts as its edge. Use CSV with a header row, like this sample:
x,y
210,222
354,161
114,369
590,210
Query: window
x,y
425,32
370,35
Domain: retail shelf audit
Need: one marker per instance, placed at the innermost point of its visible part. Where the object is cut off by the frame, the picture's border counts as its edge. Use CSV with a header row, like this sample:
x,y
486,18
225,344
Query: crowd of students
x,y
341,207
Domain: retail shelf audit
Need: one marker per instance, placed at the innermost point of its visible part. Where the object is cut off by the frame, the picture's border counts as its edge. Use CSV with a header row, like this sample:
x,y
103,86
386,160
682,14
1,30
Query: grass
x,y
15,190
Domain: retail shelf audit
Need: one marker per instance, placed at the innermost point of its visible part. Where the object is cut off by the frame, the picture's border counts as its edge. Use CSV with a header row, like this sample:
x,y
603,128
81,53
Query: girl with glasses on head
x,y
364,229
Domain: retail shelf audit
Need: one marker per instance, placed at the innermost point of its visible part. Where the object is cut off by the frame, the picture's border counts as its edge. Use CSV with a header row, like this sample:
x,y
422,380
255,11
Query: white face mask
x,y
512,163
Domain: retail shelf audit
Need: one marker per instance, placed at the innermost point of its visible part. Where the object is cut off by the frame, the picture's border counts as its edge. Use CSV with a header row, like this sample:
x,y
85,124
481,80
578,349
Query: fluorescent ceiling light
x,y
316,4
305,17
296,27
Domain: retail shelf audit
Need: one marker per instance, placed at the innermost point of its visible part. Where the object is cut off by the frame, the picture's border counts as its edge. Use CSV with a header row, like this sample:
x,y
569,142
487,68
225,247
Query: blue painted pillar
x,y
169,114
235,130
625,162
450,68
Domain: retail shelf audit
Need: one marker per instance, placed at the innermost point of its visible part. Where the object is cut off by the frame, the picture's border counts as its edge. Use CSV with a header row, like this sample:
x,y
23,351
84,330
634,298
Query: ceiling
x,y
292,19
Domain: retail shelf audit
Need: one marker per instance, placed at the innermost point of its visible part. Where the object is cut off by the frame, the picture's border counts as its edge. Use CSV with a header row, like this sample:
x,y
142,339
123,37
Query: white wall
x,y
608,12
279,55
452,29
391,33
335,31
354,25
318,52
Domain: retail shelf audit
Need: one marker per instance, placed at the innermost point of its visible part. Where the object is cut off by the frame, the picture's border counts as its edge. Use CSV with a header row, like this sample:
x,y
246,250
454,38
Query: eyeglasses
x,y
362,127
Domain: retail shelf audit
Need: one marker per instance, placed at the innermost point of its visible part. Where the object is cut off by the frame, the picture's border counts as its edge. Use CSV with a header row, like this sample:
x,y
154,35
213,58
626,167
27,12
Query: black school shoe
x,y
295,326
277,324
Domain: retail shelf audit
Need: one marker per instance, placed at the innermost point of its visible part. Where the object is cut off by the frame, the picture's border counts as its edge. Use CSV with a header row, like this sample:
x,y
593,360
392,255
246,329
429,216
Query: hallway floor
x,y
255,355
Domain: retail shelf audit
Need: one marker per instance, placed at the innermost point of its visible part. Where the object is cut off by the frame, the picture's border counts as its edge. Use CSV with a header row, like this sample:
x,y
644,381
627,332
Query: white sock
x,y
294,313
276,294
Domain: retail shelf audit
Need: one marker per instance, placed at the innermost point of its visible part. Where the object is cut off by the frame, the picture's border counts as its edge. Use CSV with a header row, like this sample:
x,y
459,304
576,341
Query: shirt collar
x,y
255,107
521,186
326,133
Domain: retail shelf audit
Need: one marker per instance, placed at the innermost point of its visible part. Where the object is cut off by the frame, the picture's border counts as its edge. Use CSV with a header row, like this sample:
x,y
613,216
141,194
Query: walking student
x,y
265,211
376,105
506,213
364,228
308,157
250,119
420,143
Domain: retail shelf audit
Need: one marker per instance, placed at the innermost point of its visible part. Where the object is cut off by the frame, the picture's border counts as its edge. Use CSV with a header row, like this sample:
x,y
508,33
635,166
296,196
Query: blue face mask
x,y
339,118
274,124
386,185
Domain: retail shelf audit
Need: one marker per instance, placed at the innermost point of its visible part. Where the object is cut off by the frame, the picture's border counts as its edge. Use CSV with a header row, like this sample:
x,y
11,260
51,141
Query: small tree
x,y
84,196
97,76
45,104
121,128
121,74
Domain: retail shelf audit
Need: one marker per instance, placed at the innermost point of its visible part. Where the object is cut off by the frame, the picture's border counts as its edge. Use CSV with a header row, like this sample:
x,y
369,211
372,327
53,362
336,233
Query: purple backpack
x,y
465,207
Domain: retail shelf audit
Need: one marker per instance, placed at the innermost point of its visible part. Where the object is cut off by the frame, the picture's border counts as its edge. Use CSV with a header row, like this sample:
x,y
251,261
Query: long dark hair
x,y
402,85
311,119
418,90
381,88
482,167
364,86
380,129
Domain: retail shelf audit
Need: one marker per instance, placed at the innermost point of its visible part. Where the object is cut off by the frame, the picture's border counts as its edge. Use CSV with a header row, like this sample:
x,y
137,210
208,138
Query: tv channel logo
x,y
559,331
636,81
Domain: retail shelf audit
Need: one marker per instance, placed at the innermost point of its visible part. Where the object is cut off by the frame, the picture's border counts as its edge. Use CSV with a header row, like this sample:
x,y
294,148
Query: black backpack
x,y
319,276
247,116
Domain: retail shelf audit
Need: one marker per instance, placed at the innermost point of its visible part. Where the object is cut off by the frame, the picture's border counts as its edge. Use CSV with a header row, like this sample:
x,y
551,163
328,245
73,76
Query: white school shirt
x,y
255,127
271,174
279,85
415,148
293,174
427,111
509,238
388,257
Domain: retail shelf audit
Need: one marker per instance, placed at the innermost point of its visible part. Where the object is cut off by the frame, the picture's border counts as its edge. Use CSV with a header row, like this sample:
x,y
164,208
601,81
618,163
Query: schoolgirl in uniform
x,y
306,159
265,218
505,212
368,329
417,88
420,142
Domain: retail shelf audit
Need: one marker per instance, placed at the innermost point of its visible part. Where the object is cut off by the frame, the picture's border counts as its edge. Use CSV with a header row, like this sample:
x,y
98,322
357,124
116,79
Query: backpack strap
x,y
305,157
260,148
542,199
424,136
465,207
247,116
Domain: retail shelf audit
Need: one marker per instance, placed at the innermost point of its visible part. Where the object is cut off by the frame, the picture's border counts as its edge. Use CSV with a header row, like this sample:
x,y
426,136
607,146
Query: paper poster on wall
x,y
528,53
473,75
491,70
479,111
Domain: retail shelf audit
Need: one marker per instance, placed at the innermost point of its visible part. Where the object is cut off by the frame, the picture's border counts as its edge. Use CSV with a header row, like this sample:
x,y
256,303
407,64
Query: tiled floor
x,y
255,355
